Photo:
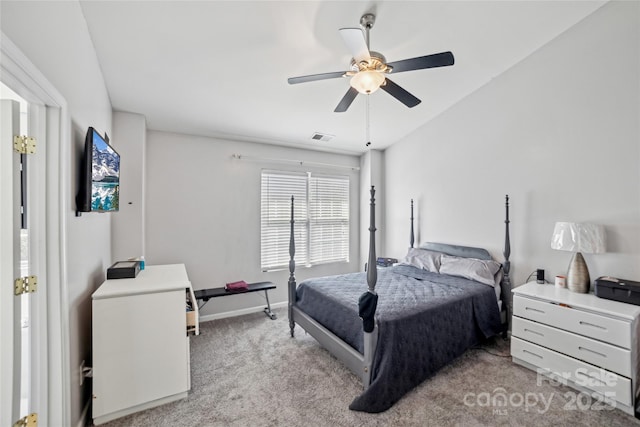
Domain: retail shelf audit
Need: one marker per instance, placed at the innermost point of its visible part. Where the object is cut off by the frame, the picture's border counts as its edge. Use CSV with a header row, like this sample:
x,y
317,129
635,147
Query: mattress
x,y
424,320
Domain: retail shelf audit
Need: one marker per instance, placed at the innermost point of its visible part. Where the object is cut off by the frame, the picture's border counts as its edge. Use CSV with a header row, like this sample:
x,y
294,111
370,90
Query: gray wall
x,y
203,210
128,226
62,50
559,133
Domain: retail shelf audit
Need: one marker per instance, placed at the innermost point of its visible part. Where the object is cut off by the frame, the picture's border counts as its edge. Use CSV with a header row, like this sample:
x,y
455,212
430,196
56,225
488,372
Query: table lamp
x,y
574,237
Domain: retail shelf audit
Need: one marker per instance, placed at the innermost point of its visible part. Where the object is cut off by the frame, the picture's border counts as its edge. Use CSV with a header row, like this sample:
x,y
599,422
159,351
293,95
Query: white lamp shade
x,y
574,237
367,81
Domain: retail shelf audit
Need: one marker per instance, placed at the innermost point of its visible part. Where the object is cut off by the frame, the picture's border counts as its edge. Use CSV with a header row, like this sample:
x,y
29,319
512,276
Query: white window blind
x,y
328,219
321,228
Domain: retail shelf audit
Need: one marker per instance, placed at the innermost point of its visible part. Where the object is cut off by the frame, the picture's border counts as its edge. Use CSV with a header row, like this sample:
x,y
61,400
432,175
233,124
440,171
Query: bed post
x,y
292,269
369,300
372,271
411,238
506,266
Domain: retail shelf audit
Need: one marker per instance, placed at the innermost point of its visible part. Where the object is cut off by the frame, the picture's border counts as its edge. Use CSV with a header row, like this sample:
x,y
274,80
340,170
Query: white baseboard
x,y
234,313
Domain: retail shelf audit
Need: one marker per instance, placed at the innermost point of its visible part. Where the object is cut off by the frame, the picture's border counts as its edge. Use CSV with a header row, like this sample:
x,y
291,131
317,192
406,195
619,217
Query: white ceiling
x,y
220,68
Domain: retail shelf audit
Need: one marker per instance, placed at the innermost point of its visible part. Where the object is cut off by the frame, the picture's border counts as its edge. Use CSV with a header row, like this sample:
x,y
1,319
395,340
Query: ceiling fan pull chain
x,y
367,121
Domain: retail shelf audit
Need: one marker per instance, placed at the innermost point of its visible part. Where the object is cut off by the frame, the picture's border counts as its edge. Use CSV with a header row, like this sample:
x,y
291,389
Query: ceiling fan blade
x,y
442,59
314,77
400,94
356,43
346,100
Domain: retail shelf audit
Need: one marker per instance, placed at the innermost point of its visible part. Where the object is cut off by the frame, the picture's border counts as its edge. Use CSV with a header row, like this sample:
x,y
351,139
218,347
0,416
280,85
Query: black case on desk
x,y
123,270
618,290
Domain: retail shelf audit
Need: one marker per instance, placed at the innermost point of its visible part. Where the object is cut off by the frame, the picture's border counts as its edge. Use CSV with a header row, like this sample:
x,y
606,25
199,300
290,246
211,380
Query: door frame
x,y
19,73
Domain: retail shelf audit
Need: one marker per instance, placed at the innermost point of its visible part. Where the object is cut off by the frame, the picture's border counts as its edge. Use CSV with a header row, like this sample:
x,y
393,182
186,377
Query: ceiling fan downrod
x,y
366,22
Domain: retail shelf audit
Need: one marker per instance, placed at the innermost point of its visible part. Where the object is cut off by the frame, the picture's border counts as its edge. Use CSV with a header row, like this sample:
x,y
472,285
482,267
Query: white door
x,y
17,375
10,267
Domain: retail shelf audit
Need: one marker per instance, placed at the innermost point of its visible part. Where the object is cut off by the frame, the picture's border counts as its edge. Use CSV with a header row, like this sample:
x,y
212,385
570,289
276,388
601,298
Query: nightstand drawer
x,y
608,384
607,329
598,353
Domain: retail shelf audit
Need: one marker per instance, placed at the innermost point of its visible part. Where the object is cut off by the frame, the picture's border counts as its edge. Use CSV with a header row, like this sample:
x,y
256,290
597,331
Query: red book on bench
x,y
237,286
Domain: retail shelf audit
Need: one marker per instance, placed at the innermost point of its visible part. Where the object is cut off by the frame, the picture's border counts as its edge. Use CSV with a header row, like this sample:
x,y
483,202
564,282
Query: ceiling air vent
x,y
317,136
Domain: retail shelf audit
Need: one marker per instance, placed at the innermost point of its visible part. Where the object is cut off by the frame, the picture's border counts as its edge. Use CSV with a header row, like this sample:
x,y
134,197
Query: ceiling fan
x,y
368,69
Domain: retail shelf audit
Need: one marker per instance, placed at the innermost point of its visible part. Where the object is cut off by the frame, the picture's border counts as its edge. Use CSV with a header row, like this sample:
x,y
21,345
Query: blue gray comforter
x,y
424,319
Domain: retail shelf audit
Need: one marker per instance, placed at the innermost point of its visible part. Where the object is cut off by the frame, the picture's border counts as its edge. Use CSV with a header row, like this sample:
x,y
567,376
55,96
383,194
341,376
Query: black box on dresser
x,y
622,290
123,270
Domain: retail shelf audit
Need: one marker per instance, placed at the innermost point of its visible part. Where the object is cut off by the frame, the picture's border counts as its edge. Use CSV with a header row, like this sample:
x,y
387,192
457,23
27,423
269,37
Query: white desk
x,y
140,343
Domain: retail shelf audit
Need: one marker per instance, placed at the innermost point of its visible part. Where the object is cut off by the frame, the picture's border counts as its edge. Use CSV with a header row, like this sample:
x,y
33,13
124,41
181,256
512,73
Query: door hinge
x,y
24,144
30,420
25,284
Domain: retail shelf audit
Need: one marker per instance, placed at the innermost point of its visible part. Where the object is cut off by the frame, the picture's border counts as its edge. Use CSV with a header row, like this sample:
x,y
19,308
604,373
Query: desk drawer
x,y
606,383
607,356
613,331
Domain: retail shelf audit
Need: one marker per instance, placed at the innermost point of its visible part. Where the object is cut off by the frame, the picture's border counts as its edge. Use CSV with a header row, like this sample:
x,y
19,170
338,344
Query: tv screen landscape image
x,y
105,176
99,189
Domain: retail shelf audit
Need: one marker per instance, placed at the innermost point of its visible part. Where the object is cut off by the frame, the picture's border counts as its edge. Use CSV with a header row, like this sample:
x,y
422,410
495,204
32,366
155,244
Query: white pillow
x,y
424,259
482,271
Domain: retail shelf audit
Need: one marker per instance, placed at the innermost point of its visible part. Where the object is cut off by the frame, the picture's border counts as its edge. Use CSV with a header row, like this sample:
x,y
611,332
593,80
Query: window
x,y
321,228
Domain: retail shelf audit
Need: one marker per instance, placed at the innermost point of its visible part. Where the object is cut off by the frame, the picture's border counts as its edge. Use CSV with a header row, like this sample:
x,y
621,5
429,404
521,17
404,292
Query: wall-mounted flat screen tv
x,y
99,187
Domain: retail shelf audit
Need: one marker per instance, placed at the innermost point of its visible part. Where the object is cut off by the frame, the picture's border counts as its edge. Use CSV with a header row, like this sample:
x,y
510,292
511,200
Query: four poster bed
x,y
403,323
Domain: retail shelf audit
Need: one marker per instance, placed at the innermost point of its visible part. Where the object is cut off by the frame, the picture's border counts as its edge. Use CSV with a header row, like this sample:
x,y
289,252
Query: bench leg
x,y
267,309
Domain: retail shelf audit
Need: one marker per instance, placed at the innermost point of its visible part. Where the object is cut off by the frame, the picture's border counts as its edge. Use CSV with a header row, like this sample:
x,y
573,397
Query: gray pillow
x,y
482,271
424,259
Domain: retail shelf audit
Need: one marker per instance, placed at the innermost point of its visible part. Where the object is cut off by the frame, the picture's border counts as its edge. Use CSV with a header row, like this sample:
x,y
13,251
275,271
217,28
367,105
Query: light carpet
x,y
247,371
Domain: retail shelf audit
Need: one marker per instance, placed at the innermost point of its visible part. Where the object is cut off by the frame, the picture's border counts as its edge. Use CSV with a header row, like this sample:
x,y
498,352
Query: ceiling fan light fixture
x,y
367,81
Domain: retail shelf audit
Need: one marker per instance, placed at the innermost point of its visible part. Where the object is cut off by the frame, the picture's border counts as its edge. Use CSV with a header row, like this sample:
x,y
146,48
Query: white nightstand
x,y
590,342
